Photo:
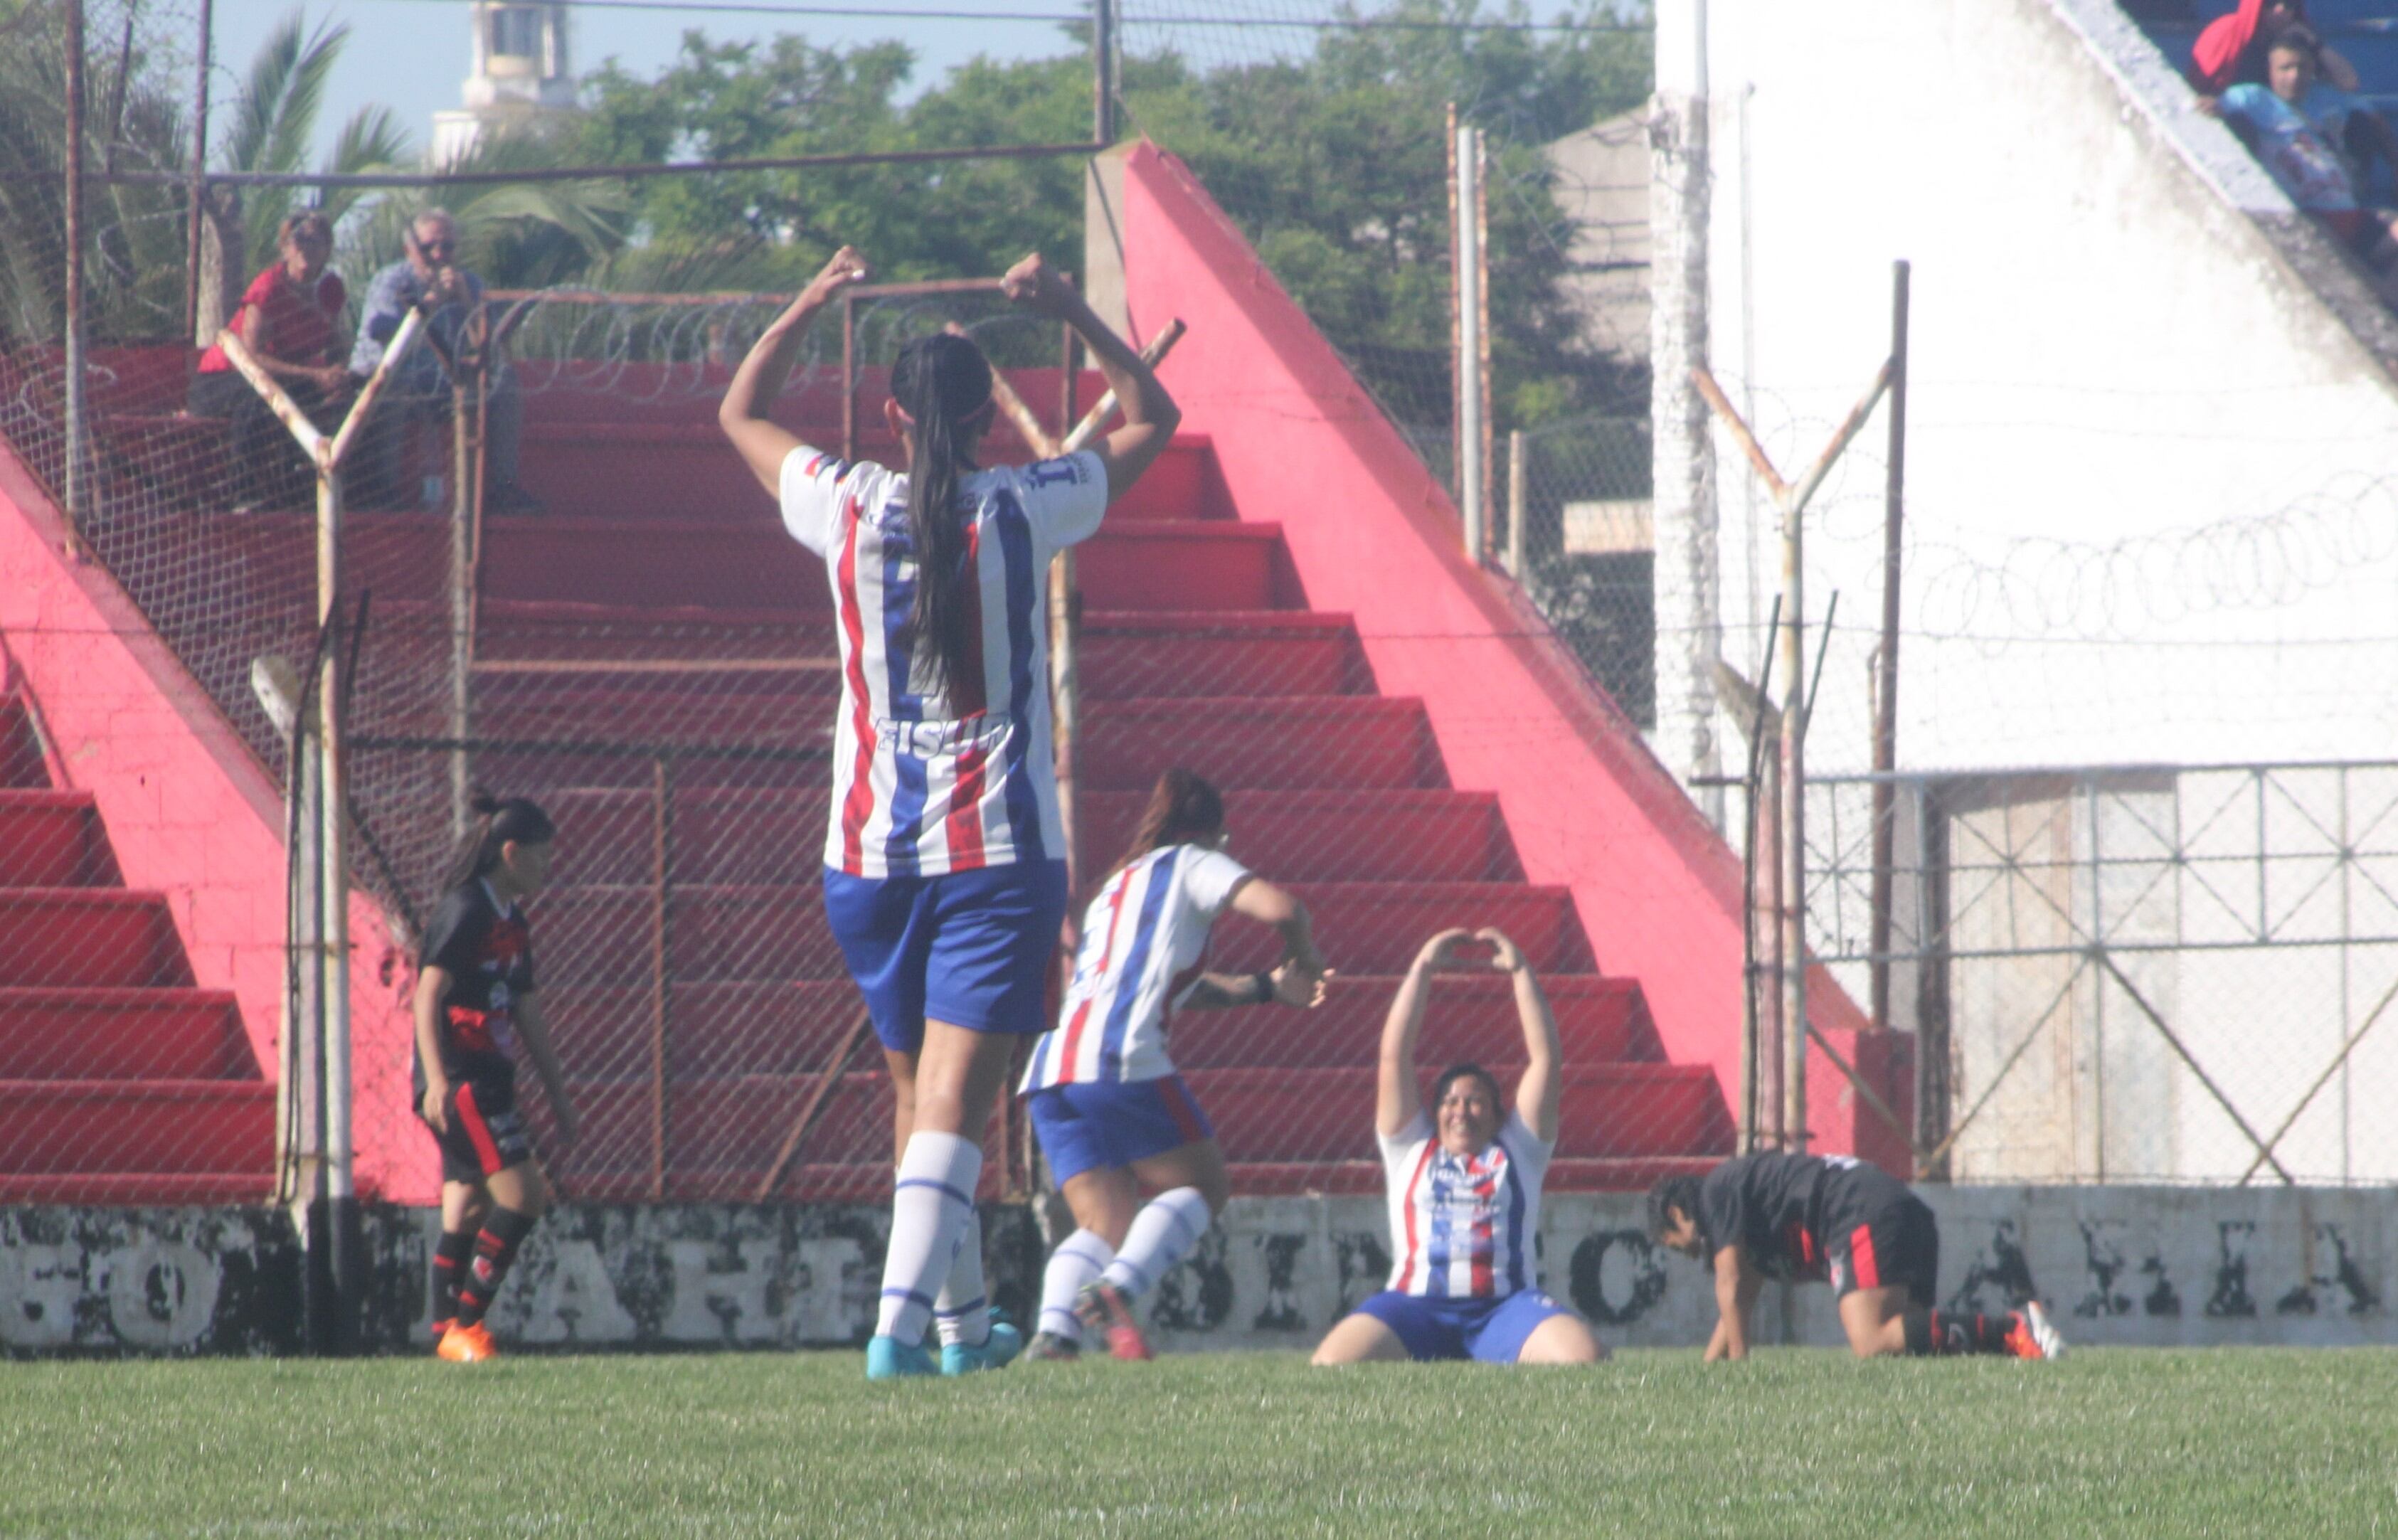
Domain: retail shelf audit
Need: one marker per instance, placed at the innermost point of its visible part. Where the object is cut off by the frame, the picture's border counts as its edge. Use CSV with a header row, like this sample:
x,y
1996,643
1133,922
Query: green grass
x,y
1794,1444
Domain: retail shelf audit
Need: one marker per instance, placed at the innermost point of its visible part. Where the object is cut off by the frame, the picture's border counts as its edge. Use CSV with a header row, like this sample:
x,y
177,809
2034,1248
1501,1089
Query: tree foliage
x,y
1333,164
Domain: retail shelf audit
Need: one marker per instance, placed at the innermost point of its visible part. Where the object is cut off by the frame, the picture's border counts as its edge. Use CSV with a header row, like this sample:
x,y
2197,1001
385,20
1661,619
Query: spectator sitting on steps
x,y
287,319
2233,49
429,279
2297,127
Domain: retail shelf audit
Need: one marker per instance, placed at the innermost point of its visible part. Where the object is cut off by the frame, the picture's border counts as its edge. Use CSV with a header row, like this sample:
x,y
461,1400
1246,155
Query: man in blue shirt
x,y
2305,132
429,279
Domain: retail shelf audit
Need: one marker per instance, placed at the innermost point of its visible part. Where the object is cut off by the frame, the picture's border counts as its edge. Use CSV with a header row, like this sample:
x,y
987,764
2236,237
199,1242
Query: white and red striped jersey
x,y
1144,946
932,780
1463,1226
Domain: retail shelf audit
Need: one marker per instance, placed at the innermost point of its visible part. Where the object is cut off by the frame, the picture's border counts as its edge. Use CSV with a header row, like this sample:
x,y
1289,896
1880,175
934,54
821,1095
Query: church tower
x,y
520,77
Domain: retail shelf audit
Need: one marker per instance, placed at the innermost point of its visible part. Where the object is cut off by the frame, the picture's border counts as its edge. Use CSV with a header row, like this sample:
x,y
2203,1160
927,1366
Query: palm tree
x,y
274,119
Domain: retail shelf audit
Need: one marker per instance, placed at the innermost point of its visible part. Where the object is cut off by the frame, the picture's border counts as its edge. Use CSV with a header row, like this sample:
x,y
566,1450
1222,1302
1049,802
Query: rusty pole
x,y
199,173
78,492
1885,744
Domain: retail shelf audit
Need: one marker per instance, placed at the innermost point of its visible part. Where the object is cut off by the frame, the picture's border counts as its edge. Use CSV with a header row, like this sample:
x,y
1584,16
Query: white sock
x,y
1162,1234
929,1207
961,1311
1076,1261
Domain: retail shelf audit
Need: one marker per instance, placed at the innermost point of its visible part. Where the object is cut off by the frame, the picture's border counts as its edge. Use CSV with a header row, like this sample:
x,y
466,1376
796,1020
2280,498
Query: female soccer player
x,y
1110,1112
945,878
475,997
1464,1191
1800,1218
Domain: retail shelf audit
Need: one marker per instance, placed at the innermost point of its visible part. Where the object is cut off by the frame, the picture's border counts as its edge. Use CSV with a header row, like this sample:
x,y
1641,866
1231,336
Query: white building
x,y
2152,503
518,78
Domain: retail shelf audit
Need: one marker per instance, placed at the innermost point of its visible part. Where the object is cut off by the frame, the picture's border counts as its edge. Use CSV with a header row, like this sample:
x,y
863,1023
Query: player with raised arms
x,y
1111,1114
1804,1218
945,877
1465,1190
475,996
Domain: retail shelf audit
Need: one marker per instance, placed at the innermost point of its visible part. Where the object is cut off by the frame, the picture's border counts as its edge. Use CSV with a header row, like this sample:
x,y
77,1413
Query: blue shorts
x,y
968,948
1485,1331
1105,1124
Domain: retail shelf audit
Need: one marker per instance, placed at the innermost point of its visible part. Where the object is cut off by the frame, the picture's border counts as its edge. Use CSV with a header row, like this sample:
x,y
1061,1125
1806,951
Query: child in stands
x,y
1111,1114
475,997
1464,1189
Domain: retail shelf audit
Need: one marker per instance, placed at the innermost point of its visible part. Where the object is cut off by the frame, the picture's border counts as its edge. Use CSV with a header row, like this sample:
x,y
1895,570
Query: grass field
x,y
1797,1444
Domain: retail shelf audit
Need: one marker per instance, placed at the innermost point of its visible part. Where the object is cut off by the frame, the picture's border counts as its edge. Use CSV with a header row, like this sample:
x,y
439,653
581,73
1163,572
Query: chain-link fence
x,y
2153,974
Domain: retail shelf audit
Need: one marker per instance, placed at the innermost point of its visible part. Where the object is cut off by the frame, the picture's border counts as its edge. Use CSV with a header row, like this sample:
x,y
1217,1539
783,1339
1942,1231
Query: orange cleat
x,y
467,1344
1102,1306
2033,1336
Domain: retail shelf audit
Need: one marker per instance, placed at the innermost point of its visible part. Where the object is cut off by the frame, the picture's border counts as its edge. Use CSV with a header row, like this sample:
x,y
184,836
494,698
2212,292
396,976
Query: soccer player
x,y
945,877
475,997
1800,1218
1464,1186
1111,1113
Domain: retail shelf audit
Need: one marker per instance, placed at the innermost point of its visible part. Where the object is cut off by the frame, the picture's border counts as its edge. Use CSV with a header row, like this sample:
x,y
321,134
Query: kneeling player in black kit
x,y
473,996
1801,1218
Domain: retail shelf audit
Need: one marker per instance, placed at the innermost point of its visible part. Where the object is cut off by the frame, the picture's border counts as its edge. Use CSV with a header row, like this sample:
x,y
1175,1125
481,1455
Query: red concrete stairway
x,y
120,1082
1198,649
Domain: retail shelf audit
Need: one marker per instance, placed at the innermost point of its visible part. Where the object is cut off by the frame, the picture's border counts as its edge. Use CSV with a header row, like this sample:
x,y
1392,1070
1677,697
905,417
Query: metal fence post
x,y
1466,276
78,490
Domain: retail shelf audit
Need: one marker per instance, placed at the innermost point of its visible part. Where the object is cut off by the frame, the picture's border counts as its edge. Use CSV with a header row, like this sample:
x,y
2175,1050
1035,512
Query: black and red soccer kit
x,y
487,951
1810,1218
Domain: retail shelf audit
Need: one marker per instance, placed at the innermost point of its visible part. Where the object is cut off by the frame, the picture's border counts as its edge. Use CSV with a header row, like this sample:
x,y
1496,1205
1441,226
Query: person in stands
x,y
289,320
2298,128
418,394
2232,50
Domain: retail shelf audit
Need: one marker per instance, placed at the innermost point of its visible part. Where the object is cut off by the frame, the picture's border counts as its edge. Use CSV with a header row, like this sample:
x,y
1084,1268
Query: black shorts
x,y
486,1134
1893,1244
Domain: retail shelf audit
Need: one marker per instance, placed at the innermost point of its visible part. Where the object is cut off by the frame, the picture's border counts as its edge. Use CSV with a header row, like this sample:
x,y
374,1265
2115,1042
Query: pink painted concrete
x,y
190,813
1372,533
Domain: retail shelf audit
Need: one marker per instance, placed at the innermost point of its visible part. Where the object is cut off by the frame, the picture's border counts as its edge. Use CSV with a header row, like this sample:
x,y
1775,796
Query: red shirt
x,y
289,326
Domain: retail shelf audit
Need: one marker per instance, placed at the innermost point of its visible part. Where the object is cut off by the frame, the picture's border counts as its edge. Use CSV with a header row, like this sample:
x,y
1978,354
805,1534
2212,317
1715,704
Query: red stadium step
x,y
1186,564
782,1027
100,937
1344,835
53,839
22,767
1369,742
715,933
1612,1111
80,1127
518,630
122,1034
1599,1020
1183,653
1378,928
665,706
138,1189
632,469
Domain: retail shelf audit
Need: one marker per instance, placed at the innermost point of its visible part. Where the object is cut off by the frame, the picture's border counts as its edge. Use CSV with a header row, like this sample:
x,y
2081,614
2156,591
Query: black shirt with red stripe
x,y
487,951
1781,1208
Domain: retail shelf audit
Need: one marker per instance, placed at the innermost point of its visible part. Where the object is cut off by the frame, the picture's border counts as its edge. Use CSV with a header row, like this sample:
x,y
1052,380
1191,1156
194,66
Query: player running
x,y
1111,1114
1801,1218
945,878
475,997
1464,1186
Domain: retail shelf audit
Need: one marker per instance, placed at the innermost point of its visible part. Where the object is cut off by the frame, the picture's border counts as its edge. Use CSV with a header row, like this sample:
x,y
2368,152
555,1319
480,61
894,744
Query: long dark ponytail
x,y
1183,808
944,383
497,821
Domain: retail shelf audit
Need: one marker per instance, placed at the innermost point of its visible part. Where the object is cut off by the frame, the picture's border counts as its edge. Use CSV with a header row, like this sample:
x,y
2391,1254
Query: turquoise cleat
x,y
889,1359
996,1351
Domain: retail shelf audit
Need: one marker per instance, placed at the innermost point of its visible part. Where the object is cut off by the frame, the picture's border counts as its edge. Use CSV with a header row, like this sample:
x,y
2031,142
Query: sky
x,y
412,55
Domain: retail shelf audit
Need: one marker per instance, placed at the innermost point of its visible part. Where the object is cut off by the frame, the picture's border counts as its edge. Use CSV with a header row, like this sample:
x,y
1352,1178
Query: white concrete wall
x,y
2153,479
